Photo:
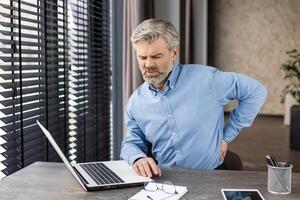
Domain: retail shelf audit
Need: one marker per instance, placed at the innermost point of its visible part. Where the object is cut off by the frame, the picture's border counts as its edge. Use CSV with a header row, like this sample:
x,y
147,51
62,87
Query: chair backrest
x,y
232,161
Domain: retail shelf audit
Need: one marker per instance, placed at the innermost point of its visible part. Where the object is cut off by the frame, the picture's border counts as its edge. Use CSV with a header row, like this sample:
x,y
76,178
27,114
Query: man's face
x,y
155,61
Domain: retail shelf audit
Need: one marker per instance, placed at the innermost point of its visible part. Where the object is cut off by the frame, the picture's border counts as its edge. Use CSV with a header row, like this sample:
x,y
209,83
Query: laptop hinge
x,y
80,176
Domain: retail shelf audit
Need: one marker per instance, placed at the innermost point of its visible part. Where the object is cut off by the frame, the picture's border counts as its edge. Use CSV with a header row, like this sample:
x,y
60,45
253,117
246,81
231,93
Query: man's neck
x,y
160,86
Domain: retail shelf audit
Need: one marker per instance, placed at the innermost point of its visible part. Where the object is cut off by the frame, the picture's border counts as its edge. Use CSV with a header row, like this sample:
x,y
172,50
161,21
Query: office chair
x,y
232,161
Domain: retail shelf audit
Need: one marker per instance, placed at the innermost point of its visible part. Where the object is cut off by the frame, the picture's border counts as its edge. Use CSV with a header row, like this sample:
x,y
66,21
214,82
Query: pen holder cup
x,y
280,179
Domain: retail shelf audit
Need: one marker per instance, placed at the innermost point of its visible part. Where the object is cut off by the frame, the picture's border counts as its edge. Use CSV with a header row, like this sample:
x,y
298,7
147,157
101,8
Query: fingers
x,y
224,147
159,171
223,154
146,166
141,169
137,171
154,167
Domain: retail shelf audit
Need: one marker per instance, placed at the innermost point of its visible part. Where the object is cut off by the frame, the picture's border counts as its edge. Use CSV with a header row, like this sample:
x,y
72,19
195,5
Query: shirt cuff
x,y
134,157
229,133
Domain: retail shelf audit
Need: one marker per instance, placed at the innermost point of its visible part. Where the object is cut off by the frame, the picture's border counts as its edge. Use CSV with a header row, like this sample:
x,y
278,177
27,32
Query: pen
x,y
274,161
268,160
271,161
149,197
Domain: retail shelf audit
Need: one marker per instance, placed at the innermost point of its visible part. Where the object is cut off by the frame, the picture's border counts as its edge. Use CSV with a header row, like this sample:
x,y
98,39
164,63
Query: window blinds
x,y
54,67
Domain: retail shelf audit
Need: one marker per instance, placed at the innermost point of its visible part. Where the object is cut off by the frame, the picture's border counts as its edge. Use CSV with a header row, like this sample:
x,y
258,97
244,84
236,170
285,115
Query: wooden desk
x,y
43,180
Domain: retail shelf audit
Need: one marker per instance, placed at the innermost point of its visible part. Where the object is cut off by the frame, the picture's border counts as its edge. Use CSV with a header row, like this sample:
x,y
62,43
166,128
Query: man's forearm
x,y
245,112
130,152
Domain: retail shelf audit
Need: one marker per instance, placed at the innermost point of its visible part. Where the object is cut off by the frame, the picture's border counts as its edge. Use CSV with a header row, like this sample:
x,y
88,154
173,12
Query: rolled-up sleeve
x,y
134,144
249,93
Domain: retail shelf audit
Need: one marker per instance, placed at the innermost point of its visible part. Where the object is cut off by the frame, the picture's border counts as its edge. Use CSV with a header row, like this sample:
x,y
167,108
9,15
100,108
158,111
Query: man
x,y
179,109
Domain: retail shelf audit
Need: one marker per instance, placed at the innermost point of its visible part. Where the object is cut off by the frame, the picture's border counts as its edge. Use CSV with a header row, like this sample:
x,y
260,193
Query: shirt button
x,y
169,115
164,97
173,133
177,151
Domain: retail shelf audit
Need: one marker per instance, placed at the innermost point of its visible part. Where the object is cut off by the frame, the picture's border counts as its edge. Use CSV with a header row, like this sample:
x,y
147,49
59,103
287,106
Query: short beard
x,y
155,80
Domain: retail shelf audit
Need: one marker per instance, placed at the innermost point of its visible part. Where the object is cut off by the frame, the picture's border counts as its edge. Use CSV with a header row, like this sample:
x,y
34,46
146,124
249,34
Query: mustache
x,y
150,69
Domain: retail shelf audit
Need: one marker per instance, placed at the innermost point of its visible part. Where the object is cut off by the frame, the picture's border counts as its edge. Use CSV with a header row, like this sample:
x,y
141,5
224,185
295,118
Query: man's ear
x,y
174,53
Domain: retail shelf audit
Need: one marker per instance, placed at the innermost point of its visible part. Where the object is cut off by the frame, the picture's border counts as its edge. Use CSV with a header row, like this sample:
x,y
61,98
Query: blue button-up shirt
x,y
185,122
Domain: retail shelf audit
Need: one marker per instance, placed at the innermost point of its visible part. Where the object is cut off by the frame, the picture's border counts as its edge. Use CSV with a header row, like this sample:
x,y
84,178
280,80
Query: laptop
x,y
99,175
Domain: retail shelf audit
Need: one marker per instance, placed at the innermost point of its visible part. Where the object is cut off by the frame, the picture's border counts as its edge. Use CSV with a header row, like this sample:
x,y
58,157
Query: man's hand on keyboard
x,y
146,167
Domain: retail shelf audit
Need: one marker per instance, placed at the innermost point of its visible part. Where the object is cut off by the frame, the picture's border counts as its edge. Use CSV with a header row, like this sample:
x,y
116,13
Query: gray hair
x,y
151,29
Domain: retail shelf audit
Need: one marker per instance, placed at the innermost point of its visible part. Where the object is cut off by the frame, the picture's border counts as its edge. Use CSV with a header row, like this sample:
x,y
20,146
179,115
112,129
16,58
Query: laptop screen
x,y
60,153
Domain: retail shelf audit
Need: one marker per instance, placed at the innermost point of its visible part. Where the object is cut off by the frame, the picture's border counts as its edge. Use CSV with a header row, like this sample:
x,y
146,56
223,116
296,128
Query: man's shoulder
x,y
139,91
198,68
197,71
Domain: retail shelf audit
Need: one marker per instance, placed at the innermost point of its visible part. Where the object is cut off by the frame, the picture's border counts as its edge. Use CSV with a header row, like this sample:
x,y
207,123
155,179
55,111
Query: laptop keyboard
x,y
101,174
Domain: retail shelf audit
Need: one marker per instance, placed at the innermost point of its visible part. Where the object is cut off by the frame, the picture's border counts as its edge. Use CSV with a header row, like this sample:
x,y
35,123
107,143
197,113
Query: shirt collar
x,y
172,80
